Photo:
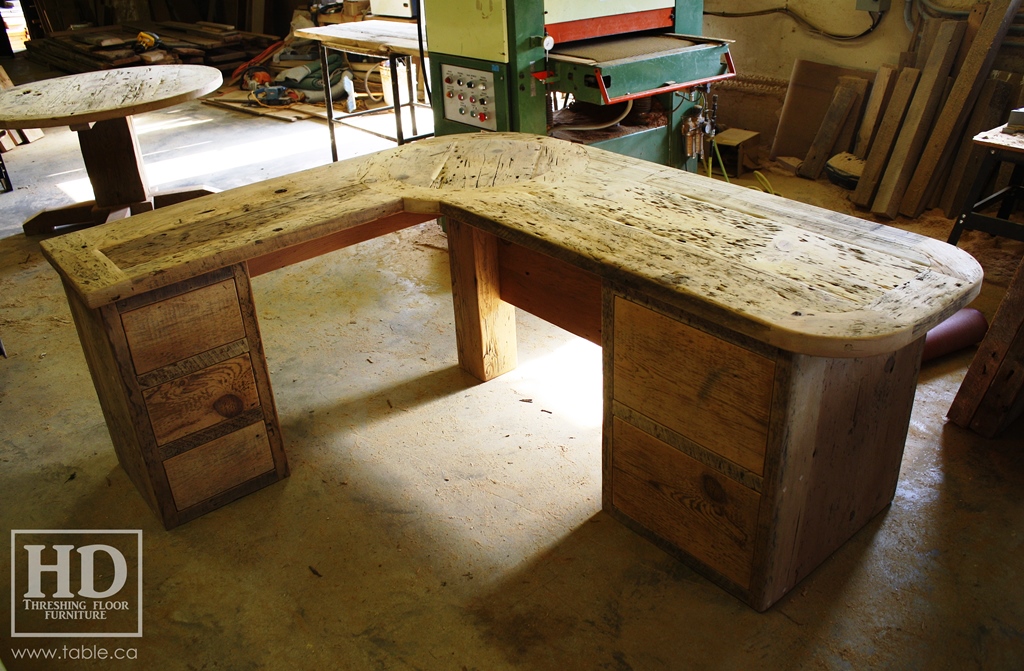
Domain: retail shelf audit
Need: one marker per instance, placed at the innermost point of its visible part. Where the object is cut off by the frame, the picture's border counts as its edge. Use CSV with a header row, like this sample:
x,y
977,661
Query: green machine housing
x,y
495,65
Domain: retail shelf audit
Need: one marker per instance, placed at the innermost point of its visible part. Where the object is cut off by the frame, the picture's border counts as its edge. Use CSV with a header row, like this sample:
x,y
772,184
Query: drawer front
x,y
708,390
194,402
182,326
219,465
693,507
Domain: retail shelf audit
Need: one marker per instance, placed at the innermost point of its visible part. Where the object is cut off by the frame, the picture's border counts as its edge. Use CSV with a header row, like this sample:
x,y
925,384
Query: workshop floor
x,y
432,522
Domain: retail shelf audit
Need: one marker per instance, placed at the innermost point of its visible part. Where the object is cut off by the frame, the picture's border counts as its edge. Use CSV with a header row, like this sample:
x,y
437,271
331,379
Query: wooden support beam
x,y
951,121
485,325
918,121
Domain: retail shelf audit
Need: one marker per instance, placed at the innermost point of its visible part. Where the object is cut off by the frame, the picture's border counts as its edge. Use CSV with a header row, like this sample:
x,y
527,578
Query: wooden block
x,y
964,93
30,134
789,163
917,123
219,465
885,138
881,92
989,112
821,149
156,340
710,391
992,393
207,397
683,501
7,141
485,325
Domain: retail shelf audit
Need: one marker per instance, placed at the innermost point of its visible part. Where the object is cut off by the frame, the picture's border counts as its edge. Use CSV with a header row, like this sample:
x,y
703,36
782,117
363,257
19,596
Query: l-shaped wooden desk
x,y
760,356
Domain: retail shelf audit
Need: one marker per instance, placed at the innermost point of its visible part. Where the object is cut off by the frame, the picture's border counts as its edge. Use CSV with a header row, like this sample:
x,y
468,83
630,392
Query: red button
x,y
483,116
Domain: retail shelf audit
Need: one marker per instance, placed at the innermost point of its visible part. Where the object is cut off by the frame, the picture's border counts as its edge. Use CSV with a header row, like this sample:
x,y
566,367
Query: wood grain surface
x,y
794,276
104,94
367,37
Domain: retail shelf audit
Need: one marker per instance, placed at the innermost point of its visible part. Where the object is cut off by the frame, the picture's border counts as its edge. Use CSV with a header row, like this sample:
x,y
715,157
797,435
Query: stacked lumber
x,y
915,136
218,45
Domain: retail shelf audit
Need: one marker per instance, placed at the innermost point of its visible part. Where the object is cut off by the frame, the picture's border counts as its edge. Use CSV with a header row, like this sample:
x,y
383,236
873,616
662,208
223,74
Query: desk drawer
x,y
684,502
203,399
182,326
711,391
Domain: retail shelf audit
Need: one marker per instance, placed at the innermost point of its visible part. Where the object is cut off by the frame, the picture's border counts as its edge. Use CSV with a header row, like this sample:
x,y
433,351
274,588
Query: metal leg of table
x,y
396,100
328,101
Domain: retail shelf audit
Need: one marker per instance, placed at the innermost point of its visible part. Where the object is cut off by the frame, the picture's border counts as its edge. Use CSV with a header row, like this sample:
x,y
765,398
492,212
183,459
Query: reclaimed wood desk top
x,y
794,276
375,38
106,94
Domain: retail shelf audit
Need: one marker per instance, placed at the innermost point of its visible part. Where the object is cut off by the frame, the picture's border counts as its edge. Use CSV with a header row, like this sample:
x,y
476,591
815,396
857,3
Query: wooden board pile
x,y
911,131
217,45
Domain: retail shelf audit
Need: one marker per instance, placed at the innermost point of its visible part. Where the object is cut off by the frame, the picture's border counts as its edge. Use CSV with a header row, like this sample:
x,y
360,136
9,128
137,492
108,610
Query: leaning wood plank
x,y
844,141
821,149
884,140
974,20
990,111
918,120
950,122
992,392
881,92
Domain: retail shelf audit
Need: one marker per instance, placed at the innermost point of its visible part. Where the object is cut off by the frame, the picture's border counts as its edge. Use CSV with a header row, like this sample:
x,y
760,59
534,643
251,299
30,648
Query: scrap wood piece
x,y
990,111
918,121
885,138
950,122
992,393
881,92
808,96
821,149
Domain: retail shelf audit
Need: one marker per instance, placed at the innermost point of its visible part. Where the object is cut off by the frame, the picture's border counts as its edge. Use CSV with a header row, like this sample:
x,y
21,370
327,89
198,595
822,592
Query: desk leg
x,y
988,165
485,325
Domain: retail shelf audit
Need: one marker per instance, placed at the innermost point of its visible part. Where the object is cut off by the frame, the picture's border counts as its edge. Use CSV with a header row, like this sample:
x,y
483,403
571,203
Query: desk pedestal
x,y
749,463
183,382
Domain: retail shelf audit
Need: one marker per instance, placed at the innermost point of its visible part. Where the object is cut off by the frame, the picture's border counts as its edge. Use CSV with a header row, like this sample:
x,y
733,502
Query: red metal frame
x,y
602,26
729,74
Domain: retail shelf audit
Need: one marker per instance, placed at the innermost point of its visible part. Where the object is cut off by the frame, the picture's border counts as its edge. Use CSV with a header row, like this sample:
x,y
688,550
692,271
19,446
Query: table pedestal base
x,y
113,161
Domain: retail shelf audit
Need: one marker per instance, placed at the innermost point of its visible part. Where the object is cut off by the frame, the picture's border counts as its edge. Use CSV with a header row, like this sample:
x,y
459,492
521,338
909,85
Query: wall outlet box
x,y
874,5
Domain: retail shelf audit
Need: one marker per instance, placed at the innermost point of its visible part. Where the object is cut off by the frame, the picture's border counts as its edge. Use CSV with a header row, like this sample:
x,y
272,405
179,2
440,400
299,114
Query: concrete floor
x,y
433,522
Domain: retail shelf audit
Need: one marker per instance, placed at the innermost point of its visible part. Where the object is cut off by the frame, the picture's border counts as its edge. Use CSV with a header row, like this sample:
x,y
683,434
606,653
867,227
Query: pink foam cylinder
x,y
965,328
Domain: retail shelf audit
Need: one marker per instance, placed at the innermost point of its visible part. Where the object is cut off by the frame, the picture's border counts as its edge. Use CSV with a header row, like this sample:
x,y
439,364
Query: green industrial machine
x,y
630,76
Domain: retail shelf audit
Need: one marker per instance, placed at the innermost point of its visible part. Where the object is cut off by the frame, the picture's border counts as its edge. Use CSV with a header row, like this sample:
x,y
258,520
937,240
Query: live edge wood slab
x,y
760,356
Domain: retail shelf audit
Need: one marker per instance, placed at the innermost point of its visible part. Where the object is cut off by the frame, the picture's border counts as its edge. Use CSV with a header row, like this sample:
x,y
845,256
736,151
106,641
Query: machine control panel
x,y
469,96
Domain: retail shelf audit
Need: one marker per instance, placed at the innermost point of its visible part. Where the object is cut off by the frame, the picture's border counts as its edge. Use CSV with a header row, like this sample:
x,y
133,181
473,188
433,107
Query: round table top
x,y
105,94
